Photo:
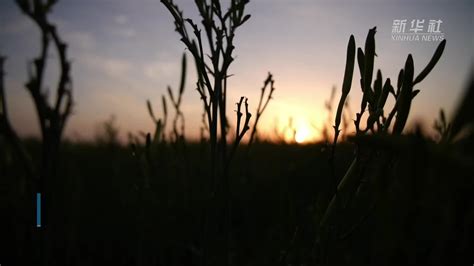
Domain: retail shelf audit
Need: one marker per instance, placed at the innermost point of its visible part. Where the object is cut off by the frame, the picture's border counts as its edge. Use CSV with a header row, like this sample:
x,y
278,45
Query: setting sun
x,y
302,134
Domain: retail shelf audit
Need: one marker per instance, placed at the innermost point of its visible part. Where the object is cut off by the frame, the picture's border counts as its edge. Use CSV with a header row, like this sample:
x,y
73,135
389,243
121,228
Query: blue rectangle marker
x,y
38,209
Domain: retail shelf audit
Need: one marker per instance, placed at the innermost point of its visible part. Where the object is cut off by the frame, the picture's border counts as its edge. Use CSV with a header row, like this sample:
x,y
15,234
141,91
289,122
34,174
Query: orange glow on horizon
x,y
293,129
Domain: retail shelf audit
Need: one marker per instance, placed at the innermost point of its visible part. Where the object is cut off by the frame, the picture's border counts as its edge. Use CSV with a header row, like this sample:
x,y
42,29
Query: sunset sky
x,y
125,52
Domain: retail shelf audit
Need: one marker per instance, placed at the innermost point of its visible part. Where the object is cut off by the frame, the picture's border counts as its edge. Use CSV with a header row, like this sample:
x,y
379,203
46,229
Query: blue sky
x,y
125,52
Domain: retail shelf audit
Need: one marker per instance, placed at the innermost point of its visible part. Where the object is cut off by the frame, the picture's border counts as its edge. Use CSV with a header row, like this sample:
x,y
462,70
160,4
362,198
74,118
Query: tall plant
x,y
212,47
212,66
353,184
52,115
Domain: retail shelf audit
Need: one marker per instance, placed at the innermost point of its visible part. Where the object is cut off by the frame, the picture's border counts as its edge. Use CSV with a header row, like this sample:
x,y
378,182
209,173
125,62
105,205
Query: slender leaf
x,y
432,63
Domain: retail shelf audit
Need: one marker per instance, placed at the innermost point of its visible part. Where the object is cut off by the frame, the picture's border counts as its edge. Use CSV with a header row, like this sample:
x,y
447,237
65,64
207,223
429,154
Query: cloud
x,y
121,19
160,70
112,67
80,40
124,32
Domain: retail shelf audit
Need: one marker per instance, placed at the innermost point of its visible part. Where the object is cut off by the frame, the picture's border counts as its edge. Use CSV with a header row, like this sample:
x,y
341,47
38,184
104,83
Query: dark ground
x,y
112,207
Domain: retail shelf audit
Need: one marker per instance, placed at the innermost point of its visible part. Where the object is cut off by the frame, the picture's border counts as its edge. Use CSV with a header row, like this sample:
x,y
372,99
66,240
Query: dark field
x,y
110,212
107,210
